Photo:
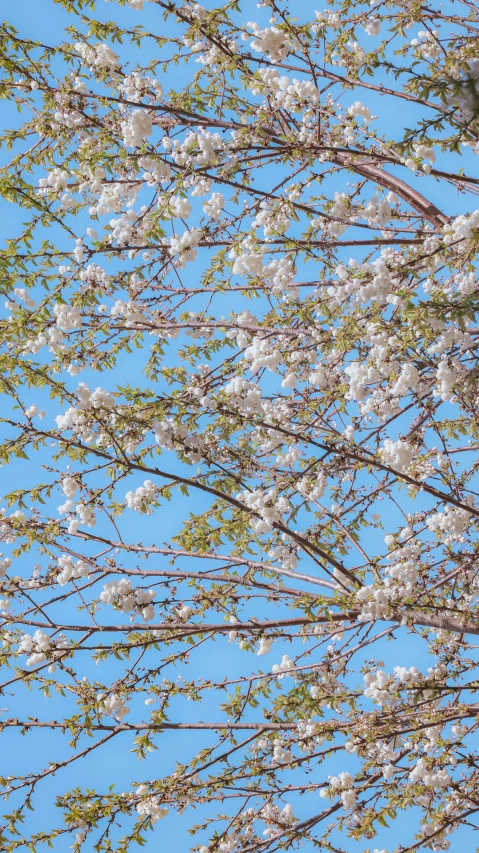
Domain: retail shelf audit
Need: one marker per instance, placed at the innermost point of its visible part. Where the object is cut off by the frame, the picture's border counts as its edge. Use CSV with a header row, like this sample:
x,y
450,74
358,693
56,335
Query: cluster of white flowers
x,y
34,411
426,44
377,687
7,527
214,206
136,128
288,94
124,598
327,18
380,687
201,186
184,246
271,41
137,88
262,353
86,516
54,182
40,647
439,841
329,685
141,498
449,338
113,706
397,454
462,231
39,644
450,524
465,97
276,821
196,149
150,806
288,457
449,372
129,312
424,152
340,211
71,569
167,432
286,667
378,212
360,377
308,735
79,250
184,612
408,676
285,554
459,730
273,221
264,646
374,602
64,116
408,379
248,258
435,779
74,418
281,273
403,569
55,340
113,196
180,207
196,10
462,281
93,180
342,784
67,316
348,798
312,488
360,109
4,565
246,396
156,170
209,54
372,26
125,228
380,752
368,281
97,56
433,733
93,276
281,752
266,505
23,295
241,335
97,399
351,55
77,422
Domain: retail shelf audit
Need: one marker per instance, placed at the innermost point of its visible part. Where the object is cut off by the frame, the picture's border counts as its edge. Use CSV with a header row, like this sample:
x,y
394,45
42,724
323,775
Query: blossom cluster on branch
x,y
239,432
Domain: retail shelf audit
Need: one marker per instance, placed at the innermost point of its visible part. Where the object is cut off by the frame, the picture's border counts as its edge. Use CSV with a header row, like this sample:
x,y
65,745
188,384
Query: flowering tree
x,y
274,477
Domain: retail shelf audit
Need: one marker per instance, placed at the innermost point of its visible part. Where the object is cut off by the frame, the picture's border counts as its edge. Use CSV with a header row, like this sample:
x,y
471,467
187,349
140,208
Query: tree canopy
x,y
239,427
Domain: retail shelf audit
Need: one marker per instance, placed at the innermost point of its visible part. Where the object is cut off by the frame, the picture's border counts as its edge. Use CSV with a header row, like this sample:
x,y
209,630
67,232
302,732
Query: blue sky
x,y
44,20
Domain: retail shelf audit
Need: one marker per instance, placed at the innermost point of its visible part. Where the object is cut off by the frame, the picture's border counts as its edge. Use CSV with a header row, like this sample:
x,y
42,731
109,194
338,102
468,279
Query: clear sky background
x,y
45,20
